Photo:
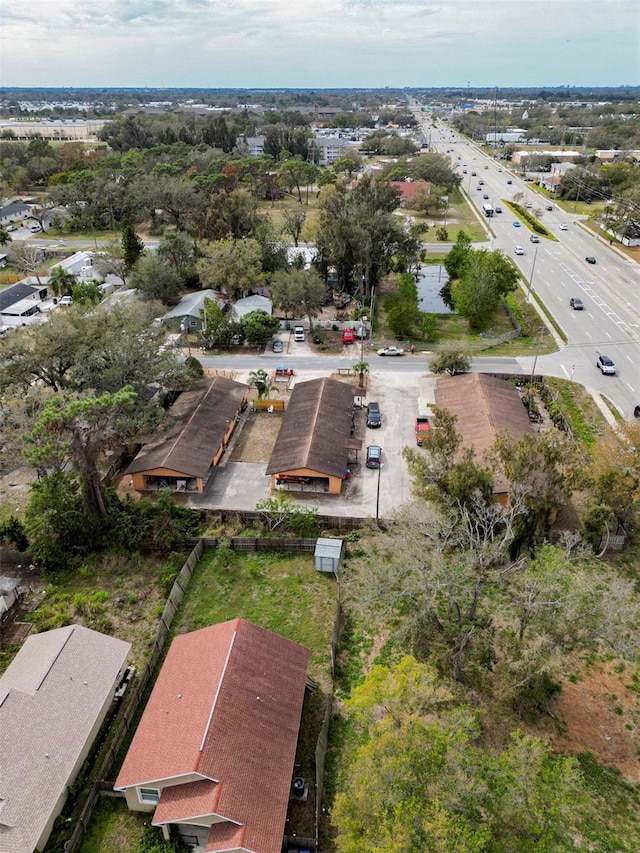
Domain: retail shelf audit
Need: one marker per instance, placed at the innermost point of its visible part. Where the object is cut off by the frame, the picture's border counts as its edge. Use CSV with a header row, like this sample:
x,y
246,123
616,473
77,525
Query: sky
x,y
319,43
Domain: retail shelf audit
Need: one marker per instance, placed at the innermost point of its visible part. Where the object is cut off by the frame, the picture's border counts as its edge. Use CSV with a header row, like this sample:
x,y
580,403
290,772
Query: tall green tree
x,y
299,292
258,327
231,266
484,278
156,278
132,246
60,280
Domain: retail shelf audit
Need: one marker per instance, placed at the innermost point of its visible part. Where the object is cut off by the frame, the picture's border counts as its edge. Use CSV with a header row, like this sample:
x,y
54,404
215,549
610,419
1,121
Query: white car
x,y
519,250
563,227
391,351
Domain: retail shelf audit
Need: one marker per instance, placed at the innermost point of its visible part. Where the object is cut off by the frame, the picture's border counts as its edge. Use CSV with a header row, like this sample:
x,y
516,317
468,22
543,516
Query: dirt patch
x,y
15,488
599,713
257,437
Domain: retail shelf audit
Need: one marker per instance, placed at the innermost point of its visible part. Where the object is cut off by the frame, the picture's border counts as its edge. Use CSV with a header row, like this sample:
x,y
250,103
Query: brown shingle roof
x,y
315,429
202,417
484,406
226,708
51,696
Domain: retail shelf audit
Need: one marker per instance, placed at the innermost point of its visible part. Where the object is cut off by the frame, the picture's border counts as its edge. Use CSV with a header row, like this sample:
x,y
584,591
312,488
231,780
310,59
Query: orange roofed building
x,y
214,752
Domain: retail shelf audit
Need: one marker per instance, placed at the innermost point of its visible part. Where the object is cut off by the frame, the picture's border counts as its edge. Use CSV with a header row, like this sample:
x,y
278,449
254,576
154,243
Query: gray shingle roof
x,y
17,292
14,208
51,696
202,418
315,429
191,304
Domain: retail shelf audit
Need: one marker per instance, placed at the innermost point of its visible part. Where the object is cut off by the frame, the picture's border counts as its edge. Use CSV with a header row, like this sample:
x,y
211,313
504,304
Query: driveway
x,y
402,396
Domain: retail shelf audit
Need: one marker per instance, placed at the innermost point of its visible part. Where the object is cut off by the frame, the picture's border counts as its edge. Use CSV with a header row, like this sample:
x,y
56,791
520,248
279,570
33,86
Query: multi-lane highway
x,y
557,271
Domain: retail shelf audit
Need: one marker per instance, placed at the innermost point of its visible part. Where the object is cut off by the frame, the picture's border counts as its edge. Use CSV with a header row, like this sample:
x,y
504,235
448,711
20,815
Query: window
x,y
149,795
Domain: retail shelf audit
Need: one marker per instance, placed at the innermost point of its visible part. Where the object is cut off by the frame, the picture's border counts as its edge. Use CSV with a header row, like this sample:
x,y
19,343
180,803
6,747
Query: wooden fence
x,y
133,698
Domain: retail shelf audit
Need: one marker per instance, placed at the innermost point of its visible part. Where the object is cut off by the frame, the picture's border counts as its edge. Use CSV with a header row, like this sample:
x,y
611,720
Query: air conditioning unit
x,y
299,788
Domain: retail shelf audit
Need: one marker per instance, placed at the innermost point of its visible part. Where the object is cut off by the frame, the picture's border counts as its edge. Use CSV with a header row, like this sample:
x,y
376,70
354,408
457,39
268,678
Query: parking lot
x,y
402,396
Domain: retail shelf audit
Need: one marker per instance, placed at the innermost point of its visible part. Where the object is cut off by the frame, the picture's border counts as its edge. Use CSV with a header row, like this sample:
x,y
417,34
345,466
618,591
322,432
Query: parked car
x,y
519,250
564,227
374,456
66,300
576,303
277,346
298,334
606,365
348,337
374,417
549,207
391,351
590,259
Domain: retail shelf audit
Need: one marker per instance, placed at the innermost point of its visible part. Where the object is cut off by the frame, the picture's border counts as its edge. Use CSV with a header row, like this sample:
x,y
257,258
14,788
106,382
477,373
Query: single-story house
x,y
54,696
21,301
252,303
14,212
408,189
550,183
188,312
213,755
313,446
307,253
484,406
628,233
183,457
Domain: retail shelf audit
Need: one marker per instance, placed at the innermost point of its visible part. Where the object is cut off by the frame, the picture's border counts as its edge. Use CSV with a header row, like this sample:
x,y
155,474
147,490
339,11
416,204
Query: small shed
x,y
328,554
8,595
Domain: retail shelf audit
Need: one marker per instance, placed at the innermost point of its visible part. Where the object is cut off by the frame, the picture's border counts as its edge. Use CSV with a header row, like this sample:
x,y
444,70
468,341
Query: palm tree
x,y
361,368
259,379
60,280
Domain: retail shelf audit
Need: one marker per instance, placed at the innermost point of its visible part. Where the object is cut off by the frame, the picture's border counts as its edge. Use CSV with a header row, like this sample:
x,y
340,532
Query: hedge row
x,y
537,226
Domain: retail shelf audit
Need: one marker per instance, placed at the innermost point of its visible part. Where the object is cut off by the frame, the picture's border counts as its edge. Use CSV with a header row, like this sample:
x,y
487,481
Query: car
x,y
564,227
509,181
534,238
473,174
374,417
549,207
486,167
480,183
499,168
590,259
348,337
298,334
277,346
485,196
516,224
374,456
498,209
605,365
391,351
66,299
576,303
519,250
464,171
479,188
12,228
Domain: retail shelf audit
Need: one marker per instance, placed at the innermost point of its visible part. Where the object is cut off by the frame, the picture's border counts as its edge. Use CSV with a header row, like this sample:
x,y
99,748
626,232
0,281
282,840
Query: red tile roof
x,y
226,708
409,188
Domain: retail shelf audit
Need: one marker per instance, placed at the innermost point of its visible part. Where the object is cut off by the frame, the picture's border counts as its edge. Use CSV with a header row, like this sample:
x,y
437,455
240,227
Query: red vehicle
x,y
348,336
422,428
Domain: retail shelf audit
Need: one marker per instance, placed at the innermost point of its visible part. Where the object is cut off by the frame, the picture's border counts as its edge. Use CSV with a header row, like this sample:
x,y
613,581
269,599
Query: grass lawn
x,y
585,418
274,212
113,828
280,592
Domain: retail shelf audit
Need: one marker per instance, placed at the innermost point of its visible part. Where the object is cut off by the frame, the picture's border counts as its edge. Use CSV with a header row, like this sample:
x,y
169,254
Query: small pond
x,y
432,278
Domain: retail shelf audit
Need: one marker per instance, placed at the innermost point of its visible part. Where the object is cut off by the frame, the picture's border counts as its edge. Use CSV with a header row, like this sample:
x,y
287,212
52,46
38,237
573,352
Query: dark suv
x,y
374,420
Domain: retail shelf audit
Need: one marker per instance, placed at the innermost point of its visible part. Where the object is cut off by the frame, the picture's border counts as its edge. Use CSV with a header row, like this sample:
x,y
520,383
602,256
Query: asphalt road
x,y
556,271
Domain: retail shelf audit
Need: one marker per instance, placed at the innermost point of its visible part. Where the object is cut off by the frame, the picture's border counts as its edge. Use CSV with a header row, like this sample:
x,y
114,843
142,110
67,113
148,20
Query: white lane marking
x,y
565,371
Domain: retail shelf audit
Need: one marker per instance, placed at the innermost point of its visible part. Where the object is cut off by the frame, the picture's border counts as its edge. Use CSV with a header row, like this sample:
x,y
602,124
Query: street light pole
x,y
533,267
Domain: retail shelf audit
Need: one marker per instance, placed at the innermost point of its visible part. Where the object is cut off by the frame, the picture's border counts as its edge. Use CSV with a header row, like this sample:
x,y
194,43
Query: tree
x,y
362,369
258,327
112,261
293,219
484,278
419,779
259,379
156,278
616,470
132,246
231,266
86,292
5,237
26,259
218,326
60,280
299,292
457,256
451,361
79,430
